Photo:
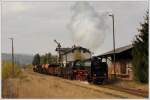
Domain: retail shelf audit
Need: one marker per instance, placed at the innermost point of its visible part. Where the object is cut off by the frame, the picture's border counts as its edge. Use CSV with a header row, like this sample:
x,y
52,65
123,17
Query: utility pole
x,y
12,56
112,15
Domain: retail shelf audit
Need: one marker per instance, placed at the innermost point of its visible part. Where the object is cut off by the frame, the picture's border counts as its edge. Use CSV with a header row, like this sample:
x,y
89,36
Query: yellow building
x,y
75,53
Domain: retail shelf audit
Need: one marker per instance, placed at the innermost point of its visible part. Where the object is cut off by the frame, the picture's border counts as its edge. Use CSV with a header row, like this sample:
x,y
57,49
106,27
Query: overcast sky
x,y
34,25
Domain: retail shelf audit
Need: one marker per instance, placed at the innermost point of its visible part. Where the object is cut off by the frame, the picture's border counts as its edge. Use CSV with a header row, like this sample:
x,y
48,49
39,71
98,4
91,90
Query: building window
x,y
123,68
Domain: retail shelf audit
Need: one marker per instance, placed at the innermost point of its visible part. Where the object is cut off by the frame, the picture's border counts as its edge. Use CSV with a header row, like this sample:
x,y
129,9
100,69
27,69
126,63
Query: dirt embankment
x,y
35,85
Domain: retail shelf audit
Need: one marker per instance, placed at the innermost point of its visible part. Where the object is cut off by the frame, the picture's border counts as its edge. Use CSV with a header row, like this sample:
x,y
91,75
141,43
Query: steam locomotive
x,y
92,70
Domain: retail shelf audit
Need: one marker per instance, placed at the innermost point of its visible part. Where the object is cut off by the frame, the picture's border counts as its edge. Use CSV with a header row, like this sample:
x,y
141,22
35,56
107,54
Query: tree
x,y
54,59
49,58
43,59
36,60
140,53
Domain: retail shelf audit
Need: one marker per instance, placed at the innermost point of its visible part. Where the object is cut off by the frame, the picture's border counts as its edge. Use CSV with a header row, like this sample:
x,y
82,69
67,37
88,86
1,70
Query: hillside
x,y
19,58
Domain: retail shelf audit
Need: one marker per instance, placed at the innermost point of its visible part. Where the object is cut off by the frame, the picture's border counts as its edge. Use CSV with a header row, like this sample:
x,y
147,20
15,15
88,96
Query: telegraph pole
x,y
12,56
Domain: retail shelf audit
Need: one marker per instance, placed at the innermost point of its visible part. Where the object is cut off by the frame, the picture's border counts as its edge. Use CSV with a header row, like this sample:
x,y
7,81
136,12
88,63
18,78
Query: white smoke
x,y
88,26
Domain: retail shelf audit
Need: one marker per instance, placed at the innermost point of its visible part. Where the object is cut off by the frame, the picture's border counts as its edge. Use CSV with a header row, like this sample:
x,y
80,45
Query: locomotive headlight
x,y
74,71
80,72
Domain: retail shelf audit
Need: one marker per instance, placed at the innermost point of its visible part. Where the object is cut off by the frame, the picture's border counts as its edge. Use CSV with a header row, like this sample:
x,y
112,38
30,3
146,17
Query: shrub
x,y
7,69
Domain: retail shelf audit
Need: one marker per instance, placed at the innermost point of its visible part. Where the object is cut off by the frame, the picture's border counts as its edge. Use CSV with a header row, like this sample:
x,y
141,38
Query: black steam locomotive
x,y
92,70
99,71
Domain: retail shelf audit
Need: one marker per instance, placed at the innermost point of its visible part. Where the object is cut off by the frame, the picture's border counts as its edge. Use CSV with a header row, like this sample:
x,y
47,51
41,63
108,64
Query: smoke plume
x,y
87,26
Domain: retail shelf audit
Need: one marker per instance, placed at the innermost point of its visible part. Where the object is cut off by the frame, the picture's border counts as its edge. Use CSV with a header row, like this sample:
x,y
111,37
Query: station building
x,y
123,59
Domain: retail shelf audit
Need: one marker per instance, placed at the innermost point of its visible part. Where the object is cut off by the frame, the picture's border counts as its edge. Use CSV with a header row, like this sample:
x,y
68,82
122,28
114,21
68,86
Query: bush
x,y
7,69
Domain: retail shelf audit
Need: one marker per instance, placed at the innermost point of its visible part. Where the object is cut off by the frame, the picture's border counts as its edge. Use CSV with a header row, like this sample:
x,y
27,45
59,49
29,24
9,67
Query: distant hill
x,y
19,58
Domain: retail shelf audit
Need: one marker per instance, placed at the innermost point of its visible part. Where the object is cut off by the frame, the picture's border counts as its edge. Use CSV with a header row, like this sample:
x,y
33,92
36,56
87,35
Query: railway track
x,y
131,91
108,93
136,92
145,94
117,88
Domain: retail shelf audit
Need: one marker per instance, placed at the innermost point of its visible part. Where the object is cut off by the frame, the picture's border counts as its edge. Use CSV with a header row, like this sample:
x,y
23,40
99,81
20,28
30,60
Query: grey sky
x,y
35,25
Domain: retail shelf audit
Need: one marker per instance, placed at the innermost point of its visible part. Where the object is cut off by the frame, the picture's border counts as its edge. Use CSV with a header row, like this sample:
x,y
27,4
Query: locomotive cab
x,y
99,71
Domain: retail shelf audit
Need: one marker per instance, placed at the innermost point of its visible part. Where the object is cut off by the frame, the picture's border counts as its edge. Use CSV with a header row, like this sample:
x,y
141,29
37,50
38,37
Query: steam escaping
x,y
87,26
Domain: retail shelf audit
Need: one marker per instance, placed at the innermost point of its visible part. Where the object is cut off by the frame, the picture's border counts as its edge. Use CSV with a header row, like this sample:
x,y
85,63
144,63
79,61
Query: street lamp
x,y
112,15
